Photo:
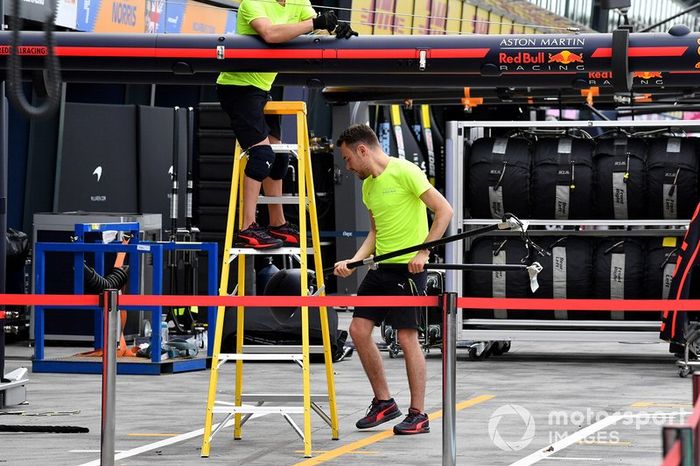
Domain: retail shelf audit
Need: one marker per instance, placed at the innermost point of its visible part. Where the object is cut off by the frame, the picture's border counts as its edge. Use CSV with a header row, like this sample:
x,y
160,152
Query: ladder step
x,y
280,397
284,199
269,252
285,148
258,409
280,349
259,357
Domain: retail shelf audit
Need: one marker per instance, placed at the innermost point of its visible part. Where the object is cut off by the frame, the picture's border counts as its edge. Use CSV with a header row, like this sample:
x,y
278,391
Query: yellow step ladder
x,y
299,355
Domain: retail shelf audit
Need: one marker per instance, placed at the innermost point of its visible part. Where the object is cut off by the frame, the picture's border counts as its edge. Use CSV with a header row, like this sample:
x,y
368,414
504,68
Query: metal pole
x,y
3,200
109,375
449,353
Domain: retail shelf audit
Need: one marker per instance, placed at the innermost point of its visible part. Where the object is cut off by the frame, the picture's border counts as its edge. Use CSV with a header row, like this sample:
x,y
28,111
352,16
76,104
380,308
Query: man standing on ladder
x,y
396,193
243,97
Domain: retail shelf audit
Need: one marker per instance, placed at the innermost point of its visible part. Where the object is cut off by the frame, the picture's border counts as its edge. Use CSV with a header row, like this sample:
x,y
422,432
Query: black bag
x,y
499,177
672,177
619,274
488,284
562,178
620,178
684,285
662,255
567,273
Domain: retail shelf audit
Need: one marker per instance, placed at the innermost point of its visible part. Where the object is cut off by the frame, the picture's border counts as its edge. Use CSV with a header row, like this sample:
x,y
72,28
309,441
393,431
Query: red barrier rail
x,y
60,300
673,457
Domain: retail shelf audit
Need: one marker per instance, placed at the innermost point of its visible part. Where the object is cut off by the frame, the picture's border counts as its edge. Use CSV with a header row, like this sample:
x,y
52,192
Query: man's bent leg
x,y
415,366
361,333
251,191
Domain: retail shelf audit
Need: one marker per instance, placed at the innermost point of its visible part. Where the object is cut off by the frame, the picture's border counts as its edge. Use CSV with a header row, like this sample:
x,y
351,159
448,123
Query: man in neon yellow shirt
x,y
396,193
243,97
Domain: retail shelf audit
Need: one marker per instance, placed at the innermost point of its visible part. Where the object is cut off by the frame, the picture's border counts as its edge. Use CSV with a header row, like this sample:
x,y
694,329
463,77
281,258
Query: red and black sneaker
x,y
379,412
415,423
286,232
255,237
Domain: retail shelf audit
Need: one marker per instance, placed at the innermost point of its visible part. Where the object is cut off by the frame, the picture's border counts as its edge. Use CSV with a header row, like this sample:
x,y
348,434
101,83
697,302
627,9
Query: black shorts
x,y
245,106
392,283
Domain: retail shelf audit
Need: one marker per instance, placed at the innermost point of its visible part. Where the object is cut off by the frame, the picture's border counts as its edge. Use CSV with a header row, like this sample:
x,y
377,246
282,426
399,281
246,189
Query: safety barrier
x,y
680,442
679,448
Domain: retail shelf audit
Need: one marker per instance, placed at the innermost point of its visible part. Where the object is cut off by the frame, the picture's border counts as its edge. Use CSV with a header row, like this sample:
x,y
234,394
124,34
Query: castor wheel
x,y
393,351
478,352
497,348
506,346
684,371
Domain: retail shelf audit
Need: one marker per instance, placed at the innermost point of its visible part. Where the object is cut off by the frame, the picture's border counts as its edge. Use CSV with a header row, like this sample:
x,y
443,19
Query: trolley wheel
x,y
497,348
506,346
684,371
393,351
476,355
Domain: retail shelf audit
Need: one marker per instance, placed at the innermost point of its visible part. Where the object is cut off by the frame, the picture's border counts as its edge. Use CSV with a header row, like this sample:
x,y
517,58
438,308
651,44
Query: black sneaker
x,y
415,423
379,412
287,233
255,237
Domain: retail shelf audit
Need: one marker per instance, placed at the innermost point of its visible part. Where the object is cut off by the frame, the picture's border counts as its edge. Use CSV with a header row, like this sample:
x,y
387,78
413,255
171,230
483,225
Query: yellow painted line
x,y
356,445
605,442
365,452
152,435
651,404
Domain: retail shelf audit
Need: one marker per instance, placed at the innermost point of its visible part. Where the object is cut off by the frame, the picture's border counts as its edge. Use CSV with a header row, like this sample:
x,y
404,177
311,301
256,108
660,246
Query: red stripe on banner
x,y
656,51
274,53
643,52
185,53
370,54
602,53
134,52
458,53
673,457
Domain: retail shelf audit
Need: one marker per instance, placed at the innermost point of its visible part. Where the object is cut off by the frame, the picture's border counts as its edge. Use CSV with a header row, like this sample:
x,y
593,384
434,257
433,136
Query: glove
x,y
344,31
326,20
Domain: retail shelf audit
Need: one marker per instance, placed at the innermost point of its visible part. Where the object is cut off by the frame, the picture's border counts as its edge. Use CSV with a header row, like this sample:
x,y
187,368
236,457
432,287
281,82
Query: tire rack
x,y
456,134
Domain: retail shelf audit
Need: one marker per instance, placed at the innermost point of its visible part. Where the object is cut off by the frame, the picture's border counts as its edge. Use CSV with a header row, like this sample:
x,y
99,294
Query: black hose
x,y
96,283
52,78
47,429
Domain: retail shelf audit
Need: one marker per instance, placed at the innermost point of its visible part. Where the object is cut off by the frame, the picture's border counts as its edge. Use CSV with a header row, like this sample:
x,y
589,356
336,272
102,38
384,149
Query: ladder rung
x,y
259,357
279,199
279,397
280,349
259,409
284,148
269,251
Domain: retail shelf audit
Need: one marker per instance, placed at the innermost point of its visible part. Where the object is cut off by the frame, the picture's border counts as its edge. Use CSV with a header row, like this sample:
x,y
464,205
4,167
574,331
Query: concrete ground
x,y
561,403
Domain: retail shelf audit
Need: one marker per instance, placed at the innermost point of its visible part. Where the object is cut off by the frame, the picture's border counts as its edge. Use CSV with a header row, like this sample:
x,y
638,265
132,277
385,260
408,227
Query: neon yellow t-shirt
x,y
400,216
293,12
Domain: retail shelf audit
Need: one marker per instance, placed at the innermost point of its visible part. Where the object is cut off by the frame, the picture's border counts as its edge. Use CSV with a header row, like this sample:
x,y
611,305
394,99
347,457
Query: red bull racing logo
x,y
565,57
565,60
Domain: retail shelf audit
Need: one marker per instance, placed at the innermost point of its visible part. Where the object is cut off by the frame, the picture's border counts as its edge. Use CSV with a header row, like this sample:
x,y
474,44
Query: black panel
x,y
98,163
156,159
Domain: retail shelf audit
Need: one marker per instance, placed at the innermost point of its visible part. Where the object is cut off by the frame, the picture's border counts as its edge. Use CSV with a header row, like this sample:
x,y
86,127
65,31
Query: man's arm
x,y
366,250
279,33
443,214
